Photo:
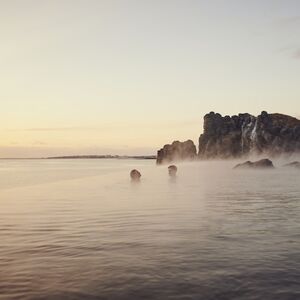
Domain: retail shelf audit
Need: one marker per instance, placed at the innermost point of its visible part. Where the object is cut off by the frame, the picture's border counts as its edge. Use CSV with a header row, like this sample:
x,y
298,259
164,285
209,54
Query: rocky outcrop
x,y
177,151
260,164
244,134
294,164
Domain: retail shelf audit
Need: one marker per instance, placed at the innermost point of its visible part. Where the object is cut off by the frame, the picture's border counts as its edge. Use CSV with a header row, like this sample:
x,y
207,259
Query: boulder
x,y
260,164
294,164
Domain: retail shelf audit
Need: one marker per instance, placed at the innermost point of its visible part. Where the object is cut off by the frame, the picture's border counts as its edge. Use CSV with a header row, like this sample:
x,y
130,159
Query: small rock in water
x,y
260,164
294,164
172,170
135,175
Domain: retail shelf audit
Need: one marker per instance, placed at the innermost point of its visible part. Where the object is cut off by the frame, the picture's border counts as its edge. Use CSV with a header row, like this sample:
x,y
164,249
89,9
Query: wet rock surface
x,y
260,164
244,134
294,164
177,151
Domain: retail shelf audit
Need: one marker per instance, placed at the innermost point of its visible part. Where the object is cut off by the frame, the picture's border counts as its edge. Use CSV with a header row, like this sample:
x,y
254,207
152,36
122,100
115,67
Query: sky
x,y
128,76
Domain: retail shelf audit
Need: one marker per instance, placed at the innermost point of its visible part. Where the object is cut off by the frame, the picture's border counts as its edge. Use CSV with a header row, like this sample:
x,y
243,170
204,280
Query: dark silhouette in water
x,y
260,164
294,164
172,170
135,175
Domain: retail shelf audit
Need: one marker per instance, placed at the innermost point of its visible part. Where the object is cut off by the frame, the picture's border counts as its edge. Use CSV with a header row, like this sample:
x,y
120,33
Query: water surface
x,y
79,229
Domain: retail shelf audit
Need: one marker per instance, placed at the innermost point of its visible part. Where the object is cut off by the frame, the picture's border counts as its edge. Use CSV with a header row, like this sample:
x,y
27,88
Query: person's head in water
x,y
135,175
172,170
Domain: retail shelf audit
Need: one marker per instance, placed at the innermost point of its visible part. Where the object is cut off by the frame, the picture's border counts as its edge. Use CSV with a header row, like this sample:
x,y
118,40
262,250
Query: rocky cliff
x,y
176,151
244,134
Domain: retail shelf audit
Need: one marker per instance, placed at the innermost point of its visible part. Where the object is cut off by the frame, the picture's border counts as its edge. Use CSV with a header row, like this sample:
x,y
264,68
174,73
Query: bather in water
x,y
135,175
172,170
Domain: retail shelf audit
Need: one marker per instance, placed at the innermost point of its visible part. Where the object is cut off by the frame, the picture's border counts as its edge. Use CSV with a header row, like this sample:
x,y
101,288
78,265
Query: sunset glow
x,y
128,76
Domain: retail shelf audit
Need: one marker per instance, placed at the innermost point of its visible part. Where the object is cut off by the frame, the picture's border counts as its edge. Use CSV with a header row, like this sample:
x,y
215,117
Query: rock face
x,y
294,164
244,134
260,164
176,151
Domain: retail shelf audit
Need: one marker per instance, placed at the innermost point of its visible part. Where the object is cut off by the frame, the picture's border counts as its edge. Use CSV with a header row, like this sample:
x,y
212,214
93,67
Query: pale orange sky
x,y
126,77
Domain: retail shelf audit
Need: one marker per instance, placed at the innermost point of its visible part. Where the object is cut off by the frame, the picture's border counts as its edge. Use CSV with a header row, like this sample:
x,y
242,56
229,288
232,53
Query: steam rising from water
x,y
81,230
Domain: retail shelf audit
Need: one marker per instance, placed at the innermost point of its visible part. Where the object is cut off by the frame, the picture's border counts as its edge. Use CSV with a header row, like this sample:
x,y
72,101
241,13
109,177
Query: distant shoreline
x,y
104,157
87,157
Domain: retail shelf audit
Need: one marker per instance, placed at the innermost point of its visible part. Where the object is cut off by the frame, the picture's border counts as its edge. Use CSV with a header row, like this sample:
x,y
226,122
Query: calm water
x,y
79,229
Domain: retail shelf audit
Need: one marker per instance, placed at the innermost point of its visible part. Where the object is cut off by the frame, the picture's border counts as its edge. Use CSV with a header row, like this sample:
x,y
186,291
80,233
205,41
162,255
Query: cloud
x,y
114,126
291,23
36,151
71,128
286,49
57,128
39,143
291,51
296,54
288,21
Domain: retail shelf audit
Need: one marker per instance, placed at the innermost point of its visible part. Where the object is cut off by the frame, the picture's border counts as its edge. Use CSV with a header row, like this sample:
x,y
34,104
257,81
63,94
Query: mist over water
x,y
80,229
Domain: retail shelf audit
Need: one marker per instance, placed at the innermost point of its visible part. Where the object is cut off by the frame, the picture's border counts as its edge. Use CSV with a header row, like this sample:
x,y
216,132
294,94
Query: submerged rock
x,y
244,134
294,164
260,164
177,151
172,170
135,175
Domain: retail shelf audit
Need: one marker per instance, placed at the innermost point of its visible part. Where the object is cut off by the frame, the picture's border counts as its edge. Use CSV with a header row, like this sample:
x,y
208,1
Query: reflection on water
x,y
80,229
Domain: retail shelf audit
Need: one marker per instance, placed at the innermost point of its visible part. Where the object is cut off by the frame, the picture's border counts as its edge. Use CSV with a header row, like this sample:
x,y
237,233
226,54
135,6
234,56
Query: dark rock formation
x,y
172,170
294,164
260,164
135,175
177,151
244,134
